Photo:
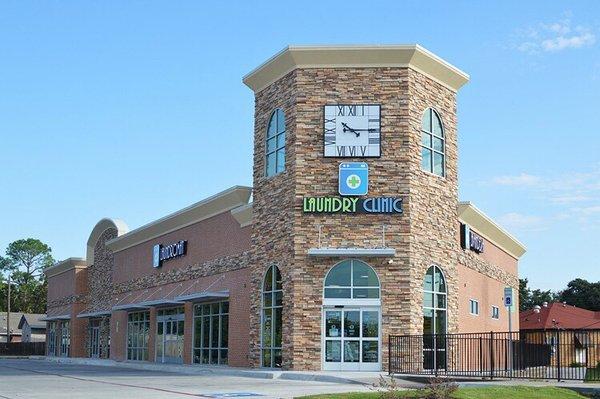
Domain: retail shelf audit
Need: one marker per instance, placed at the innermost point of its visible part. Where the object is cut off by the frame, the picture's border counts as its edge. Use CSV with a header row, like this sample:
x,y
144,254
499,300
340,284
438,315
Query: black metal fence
x,y
22,348
548,354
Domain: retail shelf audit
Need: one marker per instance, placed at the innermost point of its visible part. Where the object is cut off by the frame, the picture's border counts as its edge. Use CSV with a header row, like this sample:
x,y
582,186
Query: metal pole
x,y
8,314
510,341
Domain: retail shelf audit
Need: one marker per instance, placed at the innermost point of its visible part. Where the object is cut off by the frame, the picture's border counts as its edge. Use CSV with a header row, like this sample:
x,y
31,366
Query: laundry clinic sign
x,y
352,205
162,253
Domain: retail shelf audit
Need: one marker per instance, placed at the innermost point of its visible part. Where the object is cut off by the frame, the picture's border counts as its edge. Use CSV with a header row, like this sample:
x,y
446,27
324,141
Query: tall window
x,y
272,295
432,143
138,330
352,279
434,319
211,333
65,338
52,338
275,146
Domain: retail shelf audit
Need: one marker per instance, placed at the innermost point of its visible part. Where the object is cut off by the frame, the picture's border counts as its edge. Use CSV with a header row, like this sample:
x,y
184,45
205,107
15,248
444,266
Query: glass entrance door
x,y
351,339
169,336
95,341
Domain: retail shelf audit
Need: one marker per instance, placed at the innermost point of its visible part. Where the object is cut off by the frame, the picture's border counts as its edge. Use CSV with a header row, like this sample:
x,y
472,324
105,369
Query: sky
x,y
135,109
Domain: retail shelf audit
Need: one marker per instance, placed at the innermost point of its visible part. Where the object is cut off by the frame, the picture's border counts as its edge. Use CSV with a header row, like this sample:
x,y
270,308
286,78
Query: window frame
x,y
352,287
431,148
145,350
219,348
471,303
495,312
274,118
272,348
435,307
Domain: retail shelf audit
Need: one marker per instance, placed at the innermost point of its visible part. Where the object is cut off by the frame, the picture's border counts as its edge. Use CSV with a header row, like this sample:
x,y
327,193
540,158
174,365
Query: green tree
x,y
582,293
25,262
528,298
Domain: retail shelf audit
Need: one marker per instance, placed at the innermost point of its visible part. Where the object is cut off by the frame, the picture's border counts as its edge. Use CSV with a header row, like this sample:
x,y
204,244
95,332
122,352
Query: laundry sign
x,y
162,253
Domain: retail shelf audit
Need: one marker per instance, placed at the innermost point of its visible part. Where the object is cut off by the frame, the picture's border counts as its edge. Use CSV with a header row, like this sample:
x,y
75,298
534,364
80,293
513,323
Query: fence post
x,y
481,355
558,353
491,355
389,355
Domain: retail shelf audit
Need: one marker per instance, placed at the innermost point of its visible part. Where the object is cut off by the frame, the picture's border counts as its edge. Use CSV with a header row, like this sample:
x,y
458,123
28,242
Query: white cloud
x,y
519,222
553,37
523,179
569,199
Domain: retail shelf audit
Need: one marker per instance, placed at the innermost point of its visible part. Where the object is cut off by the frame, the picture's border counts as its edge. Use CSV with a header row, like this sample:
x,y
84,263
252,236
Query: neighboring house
x,y
16,326
33,329
574,330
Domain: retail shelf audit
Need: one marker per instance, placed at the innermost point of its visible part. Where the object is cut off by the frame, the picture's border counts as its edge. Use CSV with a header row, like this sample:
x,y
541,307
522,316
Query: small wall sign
x,y
471,240
352,205
162,253
353,178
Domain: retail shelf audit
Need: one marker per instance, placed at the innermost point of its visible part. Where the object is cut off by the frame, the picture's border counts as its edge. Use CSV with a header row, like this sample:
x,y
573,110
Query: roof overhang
x,y
353,252
161,302
222,202
131,306
373,56
64,266
243,215
99,313
203,296
59,317
486,227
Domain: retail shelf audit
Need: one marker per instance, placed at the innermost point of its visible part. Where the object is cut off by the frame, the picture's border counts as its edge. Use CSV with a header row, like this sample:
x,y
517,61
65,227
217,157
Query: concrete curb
x,y
318,378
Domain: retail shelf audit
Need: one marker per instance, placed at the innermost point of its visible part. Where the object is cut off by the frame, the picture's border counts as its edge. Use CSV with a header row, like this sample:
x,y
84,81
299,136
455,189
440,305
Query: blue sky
x,y
135,109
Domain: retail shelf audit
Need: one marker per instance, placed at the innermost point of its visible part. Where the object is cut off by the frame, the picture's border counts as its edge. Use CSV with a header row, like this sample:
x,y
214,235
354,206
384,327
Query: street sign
x,y
508,297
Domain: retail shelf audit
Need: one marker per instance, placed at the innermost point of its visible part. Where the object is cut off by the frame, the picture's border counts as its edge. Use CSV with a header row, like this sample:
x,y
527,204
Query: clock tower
x,y
347,278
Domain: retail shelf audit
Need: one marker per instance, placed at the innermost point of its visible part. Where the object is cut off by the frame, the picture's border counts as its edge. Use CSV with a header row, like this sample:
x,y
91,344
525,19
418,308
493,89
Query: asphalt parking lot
x,y
31,379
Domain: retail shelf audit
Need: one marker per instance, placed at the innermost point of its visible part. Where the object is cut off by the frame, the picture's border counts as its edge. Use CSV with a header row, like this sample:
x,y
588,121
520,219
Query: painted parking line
x,y
231,395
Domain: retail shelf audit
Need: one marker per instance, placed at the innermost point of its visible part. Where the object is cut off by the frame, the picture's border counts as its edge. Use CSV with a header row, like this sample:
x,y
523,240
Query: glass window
x,y
275,144
211,333
434,318
138,328
352,279
474,307
432,143
271,331
65,338
52,338
495,312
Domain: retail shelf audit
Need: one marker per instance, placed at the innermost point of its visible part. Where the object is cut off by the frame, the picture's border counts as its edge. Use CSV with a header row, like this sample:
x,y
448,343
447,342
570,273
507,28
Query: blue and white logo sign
x,y
354,178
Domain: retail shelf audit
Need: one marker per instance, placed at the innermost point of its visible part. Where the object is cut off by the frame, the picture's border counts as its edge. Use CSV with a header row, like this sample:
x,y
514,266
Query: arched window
x,y
432,143
275,145
272,295
434,319
352,279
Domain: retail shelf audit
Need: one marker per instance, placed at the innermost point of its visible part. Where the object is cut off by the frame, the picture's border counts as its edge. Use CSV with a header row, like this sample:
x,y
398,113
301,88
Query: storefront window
x,y
352,279
272,296
138,329
65,338
434,319
211,333
432,143
52,338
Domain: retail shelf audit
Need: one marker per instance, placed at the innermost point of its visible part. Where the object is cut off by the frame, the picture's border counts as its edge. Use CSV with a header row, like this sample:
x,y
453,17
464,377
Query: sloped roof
x,y
559,315
33,319
15,321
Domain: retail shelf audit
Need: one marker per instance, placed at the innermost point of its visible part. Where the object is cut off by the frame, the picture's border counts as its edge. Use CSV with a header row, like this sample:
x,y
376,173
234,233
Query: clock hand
x,y
349,129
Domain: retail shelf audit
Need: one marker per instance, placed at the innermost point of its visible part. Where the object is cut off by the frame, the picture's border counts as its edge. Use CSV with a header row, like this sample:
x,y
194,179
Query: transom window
x,y
275,146
432,143
352,279
272,305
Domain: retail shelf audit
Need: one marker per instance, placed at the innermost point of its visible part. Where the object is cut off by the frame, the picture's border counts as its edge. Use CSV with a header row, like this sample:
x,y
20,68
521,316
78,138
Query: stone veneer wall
x,y
423,236
273,214
100,284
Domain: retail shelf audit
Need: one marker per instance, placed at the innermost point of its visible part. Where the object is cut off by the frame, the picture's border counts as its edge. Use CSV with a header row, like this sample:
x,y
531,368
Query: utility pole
x,y
8,313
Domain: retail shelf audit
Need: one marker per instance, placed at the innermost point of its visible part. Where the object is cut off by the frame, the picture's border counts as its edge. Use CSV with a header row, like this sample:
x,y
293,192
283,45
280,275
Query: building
x,y
575,331
354,232
24,327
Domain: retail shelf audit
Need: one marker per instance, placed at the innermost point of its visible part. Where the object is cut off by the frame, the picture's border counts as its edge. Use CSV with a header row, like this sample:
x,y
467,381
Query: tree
x,y
25,262
529,298
582,293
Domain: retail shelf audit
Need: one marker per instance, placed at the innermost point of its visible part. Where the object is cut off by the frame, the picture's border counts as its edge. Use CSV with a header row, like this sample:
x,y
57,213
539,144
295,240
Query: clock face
x,y
352,131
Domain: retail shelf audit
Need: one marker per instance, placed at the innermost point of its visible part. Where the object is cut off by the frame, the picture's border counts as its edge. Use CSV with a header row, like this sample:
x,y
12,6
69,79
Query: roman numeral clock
x,y
352,131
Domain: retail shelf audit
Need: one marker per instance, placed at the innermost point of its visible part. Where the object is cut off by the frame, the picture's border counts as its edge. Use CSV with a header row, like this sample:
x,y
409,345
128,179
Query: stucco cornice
x,y
64,266
222,202
483,225
405,56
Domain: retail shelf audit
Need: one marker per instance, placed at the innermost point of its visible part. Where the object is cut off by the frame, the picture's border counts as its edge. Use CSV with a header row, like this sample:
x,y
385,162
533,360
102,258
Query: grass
x,y
499,392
